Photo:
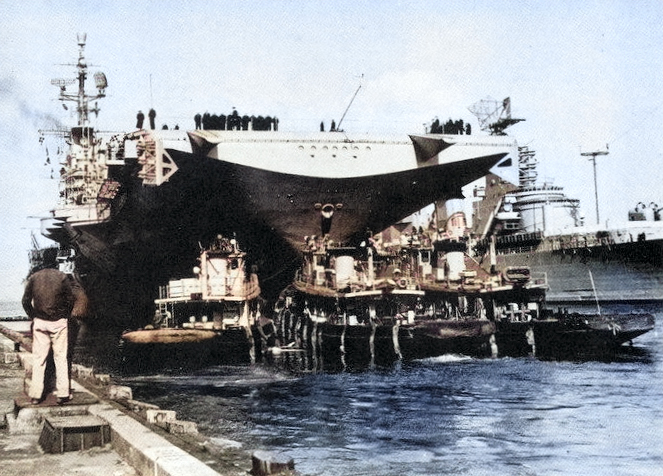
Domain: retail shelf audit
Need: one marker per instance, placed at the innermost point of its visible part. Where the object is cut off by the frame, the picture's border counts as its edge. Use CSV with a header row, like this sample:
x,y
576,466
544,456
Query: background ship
x,y
137,206
535,224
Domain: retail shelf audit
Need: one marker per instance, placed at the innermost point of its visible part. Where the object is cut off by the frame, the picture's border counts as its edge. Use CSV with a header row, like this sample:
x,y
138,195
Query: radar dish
x,y
494,116
100,80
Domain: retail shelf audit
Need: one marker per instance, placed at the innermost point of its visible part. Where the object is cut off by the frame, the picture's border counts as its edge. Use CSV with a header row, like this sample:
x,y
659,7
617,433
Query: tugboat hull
x,y
431,339
571,335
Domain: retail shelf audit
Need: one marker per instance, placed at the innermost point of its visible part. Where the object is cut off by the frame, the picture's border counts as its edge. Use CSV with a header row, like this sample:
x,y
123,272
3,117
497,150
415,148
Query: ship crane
x,y
494,116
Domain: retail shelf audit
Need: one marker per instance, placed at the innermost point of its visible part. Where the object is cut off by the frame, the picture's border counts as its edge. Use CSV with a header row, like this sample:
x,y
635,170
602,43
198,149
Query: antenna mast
x,y
81,98
338,127
592,158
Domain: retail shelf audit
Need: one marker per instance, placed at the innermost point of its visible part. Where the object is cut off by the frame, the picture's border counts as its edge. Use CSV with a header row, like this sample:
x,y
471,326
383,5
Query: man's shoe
x,y
62,400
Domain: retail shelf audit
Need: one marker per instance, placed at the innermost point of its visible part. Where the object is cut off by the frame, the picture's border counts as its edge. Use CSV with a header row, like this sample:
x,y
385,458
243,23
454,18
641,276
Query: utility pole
x,y
592,158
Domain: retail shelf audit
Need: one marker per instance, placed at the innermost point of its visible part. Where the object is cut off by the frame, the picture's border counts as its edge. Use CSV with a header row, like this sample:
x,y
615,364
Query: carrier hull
x,y
141,244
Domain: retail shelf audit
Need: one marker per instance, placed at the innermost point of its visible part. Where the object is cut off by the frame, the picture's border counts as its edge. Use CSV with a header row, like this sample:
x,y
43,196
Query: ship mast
x,y
592,158
81,98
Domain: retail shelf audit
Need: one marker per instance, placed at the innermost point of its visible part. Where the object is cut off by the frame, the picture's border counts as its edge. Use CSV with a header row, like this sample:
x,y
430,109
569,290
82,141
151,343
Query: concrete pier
x,y
144,440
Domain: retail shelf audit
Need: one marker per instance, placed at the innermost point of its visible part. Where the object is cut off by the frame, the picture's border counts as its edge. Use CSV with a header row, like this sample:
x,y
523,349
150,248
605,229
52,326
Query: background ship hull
x,y
625,272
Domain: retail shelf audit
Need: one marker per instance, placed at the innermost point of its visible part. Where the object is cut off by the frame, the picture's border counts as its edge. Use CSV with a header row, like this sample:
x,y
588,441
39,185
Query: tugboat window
x,y
231,310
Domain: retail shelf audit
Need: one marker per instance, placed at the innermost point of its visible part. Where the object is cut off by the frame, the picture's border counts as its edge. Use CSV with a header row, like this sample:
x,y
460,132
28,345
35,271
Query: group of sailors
x,y
140,119
235,122
450,127
207,121
331,129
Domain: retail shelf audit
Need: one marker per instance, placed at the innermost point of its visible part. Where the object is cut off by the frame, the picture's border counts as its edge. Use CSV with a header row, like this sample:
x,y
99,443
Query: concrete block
x,y
146,451
75,368
73,433
6,345
160,416
85,372
217,446
120,392
140,407
11,357
266,463
181,427
27,421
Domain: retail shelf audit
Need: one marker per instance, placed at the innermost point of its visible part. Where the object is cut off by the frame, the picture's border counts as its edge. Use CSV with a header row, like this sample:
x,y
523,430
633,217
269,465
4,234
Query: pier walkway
x,y
144,440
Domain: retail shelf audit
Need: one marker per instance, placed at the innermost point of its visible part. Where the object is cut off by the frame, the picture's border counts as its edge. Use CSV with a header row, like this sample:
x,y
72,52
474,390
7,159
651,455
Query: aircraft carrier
x,y
135,207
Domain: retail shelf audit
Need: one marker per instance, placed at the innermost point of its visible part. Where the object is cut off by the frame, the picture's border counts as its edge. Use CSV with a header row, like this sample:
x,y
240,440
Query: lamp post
x,y
592,157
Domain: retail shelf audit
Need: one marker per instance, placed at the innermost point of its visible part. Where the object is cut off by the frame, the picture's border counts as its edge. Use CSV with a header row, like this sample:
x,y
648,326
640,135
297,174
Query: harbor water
x,y
440,416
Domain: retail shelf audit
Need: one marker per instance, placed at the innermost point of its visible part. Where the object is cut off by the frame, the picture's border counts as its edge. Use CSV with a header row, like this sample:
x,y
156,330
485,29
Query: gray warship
x,y
537,225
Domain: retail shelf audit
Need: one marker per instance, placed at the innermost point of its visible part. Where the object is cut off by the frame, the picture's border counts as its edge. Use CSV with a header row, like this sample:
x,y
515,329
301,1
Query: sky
x,y
585,75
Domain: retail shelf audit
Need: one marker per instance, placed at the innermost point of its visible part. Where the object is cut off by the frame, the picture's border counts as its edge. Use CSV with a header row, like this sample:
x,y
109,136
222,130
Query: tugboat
x,y
346,304
213,314
373,305
353,307
464,303
510,305
564,335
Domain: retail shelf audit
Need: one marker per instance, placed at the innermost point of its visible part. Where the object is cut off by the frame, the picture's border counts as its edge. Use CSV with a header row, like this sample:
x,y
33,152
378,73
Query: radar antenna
x,y
81,98
494,116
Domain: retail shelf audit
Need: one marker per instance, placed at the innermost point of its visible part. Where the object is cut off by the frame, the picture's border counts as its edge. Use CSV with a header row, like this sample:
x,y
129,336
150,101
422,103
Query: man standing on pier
x,y
49,298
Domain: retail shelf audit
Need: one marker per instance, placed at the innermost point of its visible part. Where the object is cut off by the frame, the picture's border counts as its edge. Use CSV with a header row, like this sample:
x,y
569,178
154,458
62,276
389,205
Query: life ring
x,y
402,283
